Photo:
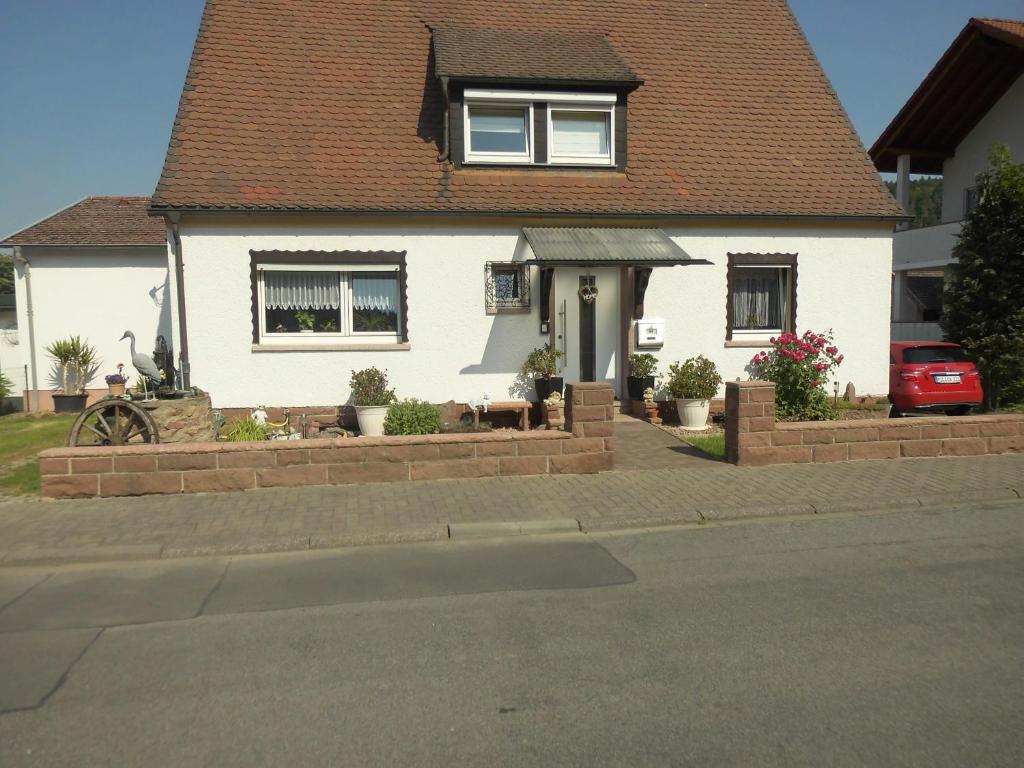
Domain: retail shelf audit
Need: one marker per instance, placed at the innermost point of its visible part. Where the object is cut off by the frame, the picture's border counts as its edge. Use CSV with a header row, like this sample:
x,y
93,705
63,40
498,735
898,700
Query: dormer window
x,y
580,135
574,128
499,134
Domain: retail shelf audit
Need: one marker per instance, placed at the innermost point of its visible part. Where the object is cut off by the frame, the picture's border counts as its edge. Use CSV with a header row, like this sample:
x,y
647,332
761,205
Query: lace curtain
x,y
375,291
302,290
757,299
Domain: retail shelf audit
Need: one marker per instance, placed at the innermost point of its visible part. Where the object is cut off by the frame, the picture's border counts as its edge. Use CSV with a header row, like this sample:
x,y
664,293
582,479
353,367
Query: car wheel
x,y
894,412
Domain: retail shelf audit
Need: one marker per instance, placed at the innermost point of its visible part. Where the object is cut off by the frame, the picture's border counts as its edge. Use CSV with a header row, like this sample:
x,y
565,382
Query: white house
x,y
973,98
94,269
436,188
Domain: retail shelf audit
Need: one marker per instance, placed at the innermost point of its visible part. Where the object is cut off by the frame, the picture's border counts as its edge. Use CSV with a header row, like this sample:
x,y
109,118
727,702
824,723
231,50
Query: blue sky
x,y
89,88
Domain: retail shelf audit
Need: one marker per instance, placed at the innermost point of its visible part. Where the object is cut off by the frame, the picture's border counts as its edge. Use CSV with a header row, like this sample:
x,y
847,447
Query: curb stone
x,y
684,517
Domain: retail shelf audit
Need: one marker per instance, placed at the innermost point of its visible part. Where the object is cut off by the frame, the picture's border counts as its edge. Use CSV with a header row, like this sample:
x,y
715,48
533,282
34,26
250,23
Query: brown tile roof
x,y
332,105
492,54
984,60
96,221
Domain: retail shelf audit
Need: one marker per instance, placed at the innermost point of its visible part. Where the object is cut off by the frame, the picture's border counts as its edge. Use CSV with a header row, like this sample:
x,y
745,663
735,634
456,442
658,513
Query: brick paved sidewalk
x,y
324,516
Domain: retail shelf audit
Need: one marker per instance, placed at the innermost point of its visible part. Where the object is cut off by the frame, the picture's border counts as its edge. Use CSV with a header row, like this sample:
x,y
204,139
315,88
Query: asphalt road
x,y
893,639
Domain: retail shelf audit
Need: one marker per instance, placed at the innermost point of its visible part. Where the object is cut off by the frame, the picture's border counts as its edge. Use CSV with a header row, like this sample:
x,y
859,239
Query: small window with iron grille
x,y
506,287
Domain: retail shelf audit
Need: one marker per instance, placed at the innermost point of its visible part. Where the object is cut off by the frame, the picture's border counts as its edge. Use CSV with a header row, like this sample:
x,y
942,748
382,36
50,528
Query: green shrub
x,y
370,387
694,379
6,387
542,363
412,417
245,430
642,365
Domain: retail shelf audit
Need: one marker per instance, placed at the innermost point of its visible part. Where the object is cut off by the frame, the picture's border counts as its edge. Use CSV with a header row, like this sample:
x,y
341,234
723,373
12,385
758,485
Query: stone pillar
x,y
589,409
749,417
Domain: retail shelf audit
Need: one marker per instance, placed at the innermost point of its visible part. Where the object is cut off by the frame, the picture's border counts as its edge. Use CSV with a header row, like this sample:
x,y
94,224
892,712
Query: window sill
x,y
508,310
331,347
750,343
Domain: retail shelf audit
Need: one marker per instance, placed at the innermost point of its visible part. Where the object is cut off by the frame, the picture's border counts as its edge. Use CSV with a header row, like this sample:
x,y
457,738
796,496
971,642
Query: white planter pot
x,y
371,419
693,414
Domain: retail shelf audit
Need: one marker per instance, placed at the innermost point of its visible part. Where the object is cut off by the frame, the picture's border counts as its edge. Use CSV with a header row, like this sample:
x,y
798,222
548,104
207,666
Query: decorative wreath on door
x,y
588,293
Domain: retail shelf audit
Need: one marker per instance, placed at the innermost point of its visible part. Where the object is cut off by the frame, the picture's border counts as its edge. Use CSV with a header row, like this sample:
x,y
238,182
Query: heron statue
x,y
144,365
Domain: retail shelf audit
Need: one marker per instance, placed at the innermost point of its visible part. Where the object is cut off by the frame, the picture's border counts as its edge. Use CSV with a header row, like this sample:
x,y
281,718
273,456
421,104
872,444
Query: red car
x,y
932,376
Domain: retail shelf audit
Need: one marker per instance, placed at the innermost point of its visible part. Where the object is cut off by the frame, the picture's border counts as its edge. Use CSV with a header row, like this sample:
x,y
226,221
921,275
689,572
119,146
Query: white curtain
x,y
302,290
757,299
579,134
376,292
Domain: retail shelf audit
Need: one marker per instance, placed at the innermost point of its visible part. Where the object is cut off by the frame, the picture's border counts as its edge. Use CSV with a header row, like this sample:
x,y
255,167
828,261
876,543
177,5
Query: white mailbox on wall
x,y
650,333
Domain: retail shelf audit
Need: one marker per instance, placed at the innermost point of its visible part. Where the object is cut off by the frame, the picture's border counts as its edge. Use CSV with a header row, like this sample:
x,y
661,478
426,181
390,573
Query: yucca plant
x,y
77,360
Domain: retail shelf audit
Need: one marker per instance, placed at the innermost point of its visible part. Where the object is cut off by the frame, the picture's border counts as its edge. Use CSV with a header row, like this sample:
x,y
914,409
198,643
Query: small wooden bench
x,y
522,407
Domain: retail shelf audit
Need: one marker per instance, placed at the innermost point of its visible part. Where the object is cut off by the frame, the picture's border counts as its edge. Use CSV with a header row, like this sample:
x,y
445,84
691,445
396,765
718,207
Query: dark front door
x,y
588,329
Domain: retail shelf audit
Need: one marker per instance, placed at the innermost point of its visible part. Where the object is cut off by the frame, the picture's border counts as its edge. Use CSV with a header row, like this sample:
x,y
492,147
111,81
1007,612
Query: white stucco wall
x,y
459,352
1004,123
97,294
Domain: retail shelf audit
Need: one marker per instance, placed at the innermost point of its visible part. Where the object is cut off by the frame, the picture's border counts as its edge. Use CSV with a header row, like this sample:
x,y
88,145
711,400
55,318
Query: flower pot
x,y
371,419
116,390
693,414
545,387
635,386
69,403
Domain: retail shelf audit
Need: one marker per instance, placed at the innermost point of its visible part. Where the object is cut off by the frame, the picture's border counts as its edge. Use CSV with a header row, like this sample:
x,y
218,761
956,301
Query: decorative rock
x,y
851,393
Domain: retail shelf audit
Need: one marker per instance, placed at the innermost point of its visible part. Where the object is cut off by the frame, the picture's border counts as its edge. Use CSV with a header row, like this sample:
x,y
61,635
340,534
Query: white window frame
x,y
344,334
521,158
787,297
603,160
559,101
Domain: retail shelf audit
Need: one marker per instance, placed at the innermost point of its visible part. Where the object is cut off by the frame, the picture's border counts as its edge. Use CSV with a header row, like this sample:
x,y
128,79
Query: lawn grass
x,y
21,438
713,445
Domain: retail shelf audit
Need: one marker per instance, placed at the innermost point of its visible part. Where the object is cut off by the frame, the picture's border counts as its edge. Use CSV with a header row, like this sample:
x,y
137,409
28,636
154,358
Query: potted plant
x,y
116,382
76,365
306,321
642,368
371,398
693,383
542,364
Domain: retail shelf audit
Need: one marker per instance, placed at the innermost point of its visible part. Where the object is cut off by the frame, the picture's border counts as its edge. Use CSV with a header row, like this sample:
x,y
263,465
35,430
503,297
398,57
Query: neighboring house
x,y
439,187
972,99
93,269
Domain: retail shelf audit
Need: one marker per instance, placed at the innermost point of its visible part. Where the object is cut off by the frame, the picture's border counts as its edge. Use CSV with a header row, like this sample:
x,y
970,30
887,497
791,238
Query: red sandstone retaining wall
x,y
754,438
585,446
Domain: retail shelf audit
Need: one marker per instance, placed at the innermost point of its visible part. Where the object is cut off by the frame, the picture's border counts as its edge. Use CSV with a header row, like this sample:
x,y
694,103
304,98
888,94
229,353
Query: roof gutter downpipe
x,y
445,141
20,258
179,283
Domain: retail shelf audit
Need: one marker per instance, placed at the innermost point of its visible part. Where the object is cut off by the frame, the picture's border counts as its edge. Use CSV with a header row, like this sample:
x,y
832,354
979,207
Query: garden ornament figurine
x,y
144,365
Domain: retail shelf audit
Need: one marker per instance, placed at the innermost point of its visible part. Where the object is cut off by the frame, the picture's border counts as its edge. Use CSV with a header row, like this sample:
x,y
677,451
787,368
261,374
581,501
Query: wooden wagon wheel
x,y
113,422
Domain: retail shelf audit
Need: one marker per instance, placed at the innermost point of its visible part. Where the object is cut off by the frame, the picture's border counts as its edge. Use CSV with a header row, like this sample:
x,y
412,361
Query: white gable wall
x,y
97,294
459,352
1004,123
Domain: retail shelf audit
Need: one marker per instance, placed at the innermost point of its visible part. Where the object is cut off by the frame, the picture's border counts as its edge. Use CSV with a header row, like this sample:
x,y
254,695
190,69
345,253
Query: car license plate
x,y
947,378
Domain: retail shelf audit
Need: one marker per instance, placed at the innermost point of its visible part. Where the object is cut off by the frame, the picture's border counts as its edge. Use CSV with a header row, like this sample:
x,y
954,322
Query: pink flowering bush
x,y
800,367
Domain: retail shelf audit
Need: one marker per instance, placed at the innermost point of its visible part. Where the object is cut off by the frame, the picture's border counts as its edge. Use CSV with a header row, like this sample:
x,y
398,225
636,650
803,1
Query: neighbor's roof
x,y
527,56
96,221
335,106
605,245
986,58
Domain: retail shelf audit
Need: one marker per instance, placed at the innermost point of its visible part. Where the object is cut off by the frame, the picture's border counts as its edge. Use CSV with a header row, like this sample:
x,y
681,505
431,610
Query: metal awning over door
x,y
604,246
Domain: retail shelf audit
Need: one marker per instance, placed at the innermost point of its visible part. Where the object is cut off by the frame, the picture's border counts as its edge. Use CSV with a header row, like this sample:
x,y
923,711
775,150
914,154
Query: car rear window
x,y
934,355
